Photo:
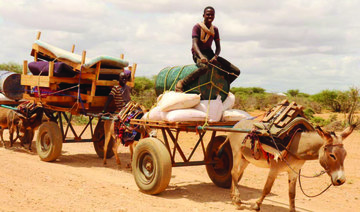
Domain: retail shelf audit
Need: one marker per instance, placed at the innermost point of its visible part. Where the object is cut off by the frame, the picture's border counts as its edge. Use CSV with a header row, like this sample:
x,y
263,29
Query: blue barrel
x,y
168,77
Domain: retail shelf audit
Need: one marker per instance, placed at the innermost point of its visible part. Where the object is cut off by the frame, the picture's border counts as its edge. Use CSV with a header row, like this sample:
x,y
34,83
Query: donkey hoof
x,y
236,200
255,207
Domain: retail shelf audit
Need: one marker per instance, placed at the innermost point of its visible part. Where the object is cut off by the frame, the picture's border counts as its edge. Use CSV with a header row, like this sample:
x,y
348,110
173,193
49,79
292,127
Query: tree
x,y
293,92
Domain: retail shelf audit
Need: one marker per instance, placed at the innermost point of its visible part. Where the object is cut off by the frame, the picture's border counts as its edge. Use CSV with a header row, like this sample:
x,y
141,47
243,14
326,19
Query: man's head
x,y
123,78
209,14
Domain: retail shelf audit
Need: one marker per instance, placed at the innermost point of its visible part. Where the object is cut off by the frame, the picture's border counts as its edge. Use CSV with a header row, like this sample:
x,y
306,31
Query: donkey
x,y
109,132
312,145
109,126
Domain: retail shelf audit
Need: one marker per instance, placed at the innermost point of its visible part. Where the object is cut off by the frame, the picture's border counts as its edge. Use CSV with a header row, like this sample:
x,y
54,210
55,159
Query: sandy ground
x,y
78,181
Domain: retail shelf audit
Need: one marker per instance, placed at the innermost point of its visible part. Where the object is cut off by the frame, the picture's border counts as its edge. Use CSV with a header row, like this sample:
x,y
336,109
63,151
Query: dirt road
x,y
78,181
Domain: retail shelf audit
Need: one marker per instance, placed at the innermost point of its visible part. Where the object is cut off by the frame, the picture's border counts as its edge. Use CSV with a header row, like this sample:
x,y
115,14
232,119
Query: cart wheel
x,y
49,141
99,141
151,166
220,172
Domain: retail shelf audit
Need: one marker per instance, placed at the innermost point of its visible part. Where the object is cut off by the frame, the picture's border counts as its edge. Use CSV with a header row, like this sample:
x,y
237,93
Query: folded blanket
x,y
60,69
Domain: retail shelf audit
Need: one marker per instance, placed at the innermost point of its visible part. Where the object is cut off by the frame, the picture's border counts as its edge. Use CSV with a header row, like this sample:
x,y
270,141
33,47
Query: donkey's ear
x,y
347,131
323,134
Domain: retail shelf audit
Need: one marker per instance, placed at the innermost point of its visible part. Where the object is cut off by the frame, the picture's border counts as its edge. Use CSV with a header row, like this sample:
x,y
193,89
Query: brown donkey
x,y
327,147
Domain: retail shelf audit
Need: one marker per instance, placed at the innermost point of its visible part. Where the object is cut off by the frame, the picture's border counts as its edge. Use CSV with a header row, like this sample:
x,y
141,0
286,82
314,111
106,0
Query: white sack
x,y
156,114
215,109
229,101
174,100
235,115
185,115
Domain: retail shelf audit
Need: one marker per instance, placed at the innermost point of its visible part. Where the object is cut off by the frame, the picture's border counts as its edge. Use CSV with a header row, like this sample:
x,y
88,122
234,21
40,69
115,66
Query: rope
x,y
177,77
311,196
197,87
208,106
167,73
222,69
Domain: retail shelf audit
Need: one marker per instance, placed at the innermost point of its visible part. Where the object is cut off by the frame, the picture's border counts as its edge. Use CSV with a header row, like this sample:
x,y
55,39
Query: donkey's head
x,y
332,154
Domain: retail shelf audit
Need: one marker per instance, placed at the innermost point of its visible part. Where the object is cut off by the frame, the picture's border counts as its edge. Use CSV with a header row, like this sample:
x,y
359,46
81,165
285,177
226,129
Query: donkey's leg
x,y
292,176
108,131
239,165
2,138
267,188
115,147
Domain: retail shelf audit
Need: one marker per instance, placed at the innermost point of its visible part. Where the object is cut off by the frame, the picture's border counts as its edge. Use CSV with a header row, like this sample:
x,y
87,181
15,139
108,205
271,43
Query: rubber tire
x,y
99,141
50,133
220,173
153,150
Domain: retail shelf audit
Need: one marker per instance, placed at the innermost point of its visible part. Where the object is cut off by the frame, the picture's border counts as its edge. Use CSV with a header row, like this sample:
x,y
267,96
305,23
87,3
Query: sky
x,y
277,44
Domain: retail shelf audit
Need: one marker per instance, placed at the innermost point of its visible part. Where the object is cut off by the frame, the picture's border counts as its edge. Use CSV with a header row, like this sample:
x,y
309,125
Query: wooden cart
x,y
80,97
153,158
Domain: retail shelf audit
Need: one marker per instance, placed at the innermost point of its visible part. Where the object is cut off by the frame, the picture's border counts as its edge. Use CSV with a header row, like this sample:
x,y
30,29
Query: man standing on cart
x,y
203,35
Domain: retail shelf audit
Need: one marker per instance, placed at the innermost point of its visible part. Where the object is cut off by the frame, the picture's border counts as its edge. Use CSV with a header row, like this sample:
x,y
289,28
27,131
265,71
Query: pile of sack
x,y
175,107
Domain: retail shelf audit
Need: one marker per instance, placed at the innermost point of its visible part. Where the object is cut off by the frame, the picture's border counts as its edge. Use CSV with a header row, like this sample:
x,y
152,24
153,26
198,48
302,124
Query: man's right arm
x,y
109,99
197,50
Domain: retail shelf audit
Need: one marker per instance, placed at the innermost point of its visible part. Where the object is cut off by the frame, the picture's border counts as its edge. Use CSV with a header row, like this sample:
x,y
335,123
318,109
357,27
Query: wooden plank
x,y
69,80
83,57
93,86
283,114
103,70
177,124
98,101
38,35
272,113
106,83
25,67
51,69
51,99
87,76
285,122
275,110
35,56
37,49
31,80
291,112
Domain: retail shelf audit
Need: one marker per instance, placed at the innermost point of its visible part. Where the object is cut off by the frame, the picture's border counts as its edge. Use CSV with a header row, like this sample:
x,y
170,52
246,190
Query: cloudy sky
x,y
278,45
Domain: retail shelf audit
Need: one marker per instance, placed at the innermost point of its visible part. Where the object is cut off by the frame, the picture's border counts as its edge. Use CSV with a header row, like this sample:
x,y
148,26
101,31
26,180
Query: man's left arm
x,y
217,45
217,50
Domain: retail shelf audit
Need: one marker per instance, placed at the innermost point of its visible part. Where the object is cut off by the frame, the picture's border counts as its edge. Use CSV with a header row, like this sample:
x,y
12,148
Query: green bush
x,y
335,100
144,92
309,113
319,121
11,66
256,101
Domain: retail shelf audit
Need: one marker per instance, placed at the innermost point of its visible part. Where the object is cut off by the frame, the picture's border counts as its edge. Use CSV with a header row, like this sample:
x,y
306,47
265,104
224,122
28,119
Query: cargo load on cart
x,y
66,80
